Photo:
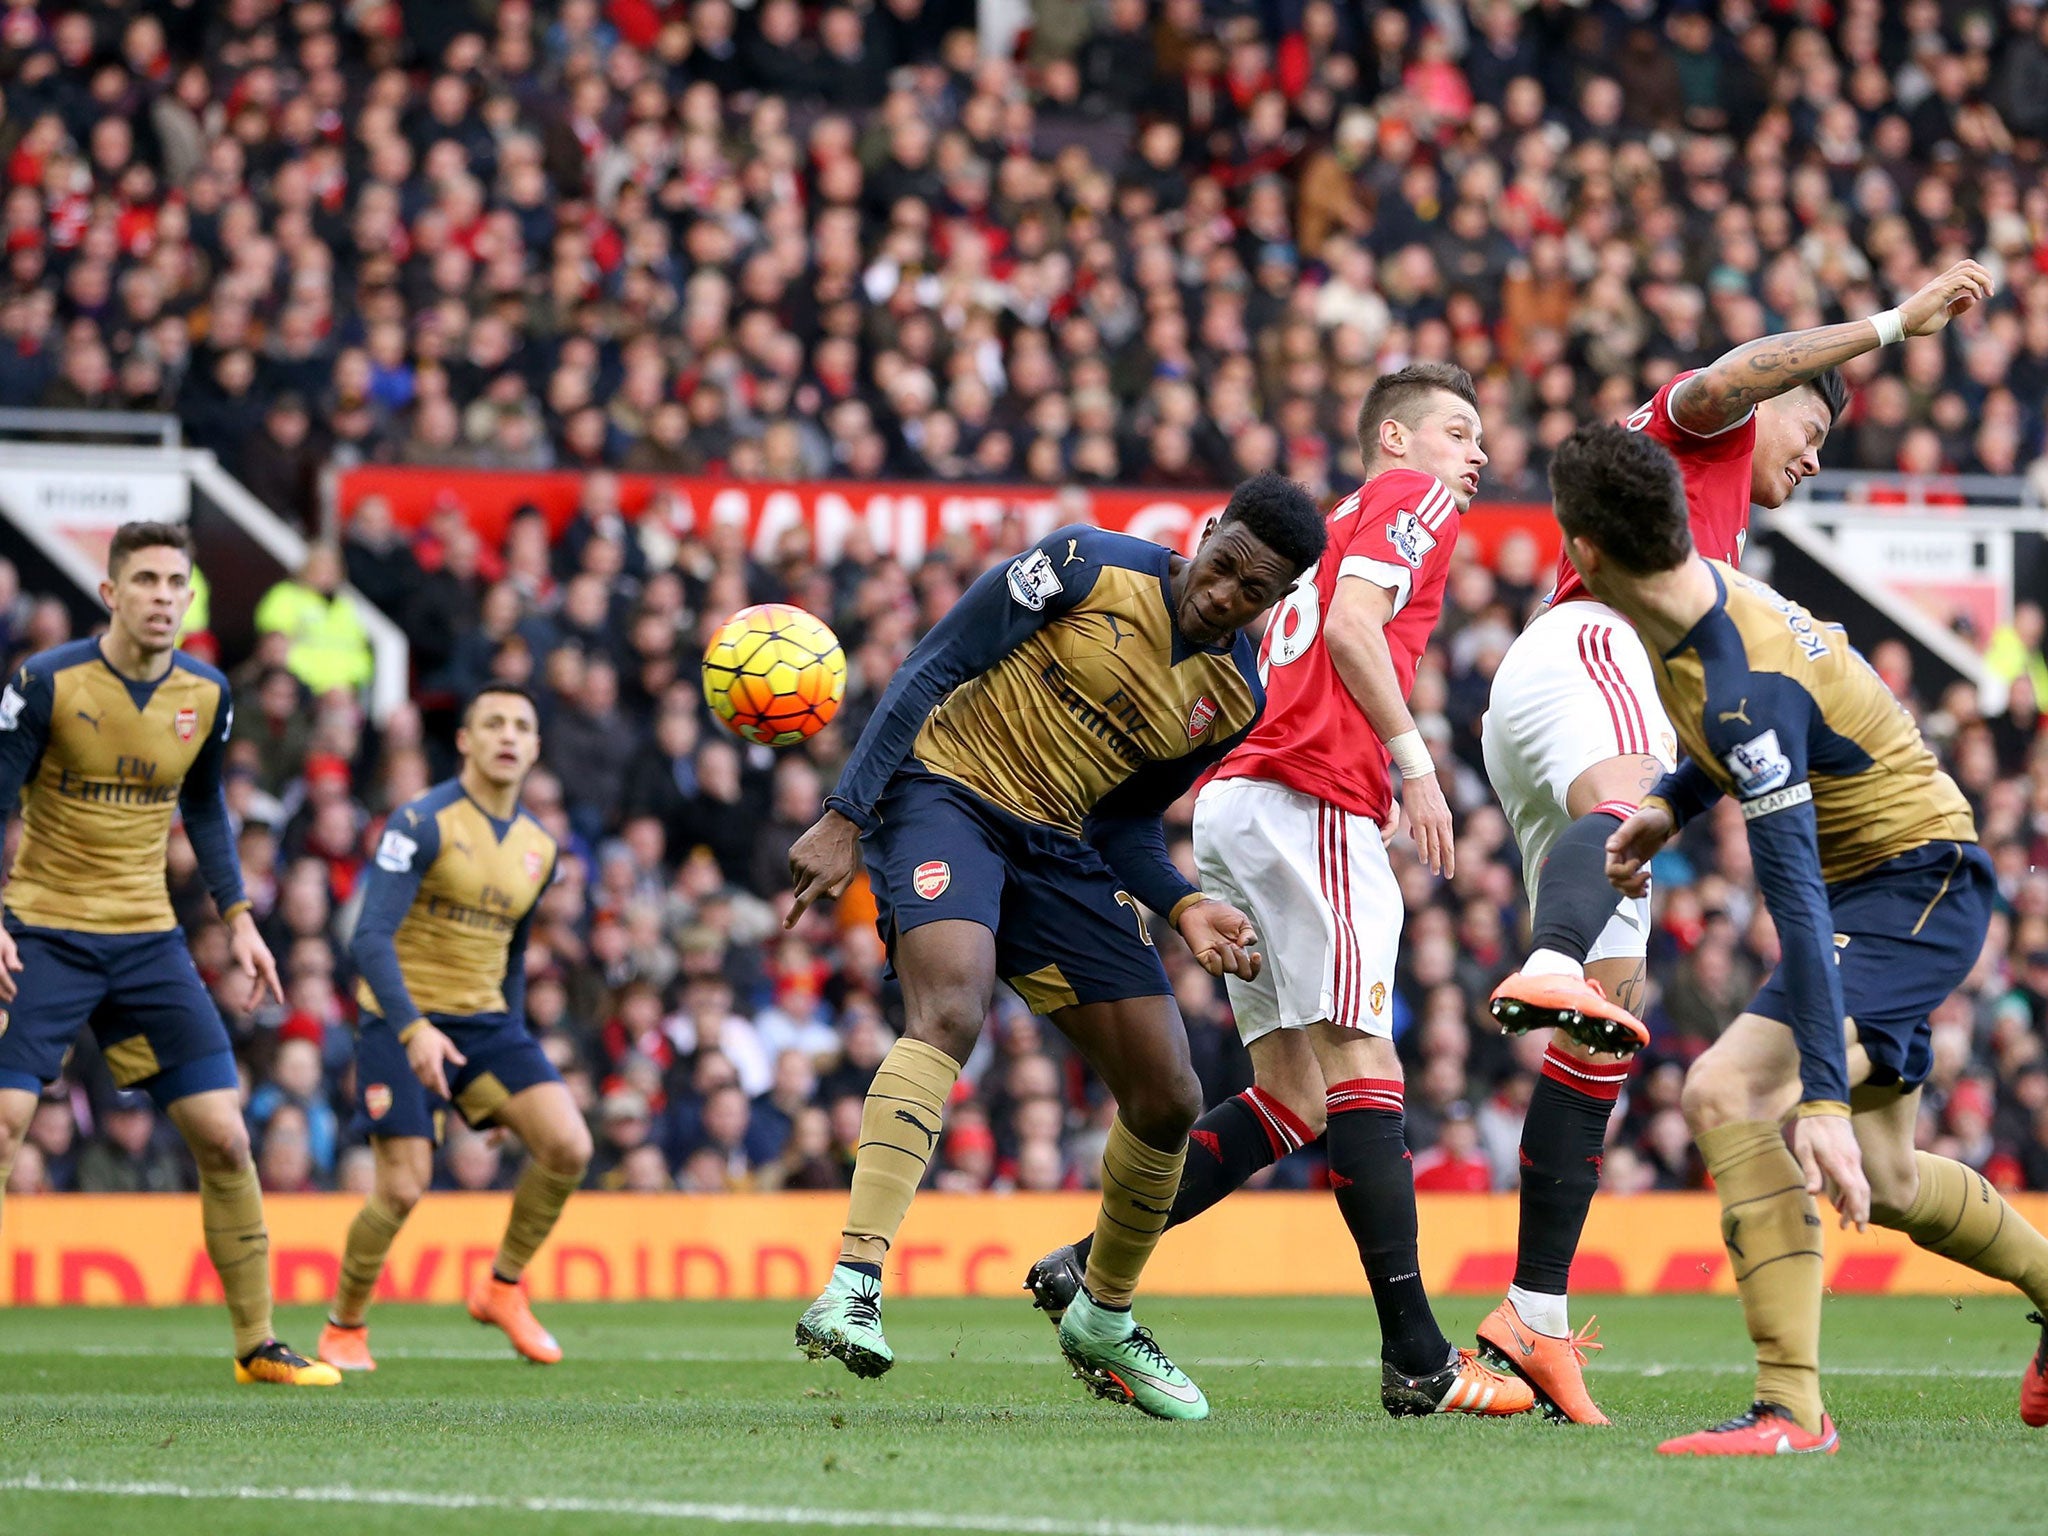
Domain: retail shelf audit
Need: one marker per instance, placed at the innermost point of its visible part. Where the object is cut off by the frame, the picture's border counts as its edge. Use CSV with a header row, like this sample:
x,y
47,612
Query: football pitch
x,y
673,1418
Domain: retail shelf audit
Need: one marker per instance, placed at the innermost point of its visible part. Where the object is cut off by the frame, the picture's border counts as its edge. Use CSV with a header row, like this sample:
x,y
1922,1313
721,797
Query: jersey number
x,y
1123,899
1294,625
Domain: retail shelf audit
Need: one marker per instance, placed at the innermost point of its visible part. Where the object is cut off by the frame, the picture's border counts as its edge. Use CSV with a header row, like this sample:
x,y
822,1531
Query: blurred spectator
x,y
128,1157
329,646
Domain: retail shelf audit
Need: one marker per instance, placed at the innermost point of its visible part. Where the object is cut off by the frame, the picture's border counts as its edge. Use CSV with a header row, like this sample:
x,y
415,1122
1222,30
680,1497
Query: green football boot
x,y
846,1323
1116,1359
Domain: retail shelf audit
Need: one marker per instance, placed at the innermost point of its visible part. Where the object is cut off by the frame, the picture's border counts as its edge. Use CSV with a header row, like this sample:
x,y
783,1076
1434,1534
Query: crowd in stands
x,y
1165,244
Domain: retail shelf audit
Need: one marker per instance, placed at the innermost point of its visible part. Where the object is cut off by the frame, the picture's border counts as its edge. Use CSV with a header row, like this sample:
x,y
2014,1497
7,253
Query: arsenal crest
x,y
186,723
930,880
1200,716
533,863
377,1100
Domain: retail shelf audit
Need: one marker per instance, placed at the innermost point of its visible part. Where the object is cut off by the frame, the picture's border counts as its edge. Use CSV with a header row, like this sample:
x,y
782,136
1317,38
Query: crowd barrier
x,y
903,518
145,1250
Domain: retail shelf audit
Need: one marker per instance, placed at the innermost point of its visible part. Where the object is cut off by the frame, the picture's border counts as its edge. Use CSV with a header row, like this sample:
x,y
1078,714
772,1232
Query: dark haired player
x,y
1867,857
1574,738
101,742
441,949
1289,831
1007,796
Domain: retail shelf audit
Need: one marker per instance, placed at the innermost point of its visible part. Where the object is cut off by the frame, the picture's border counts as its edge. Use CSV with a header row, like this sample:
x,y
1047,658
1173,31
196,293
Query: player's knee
x,y
565,1150
950,1021
1894,1175
220,1147
400,1193
1713,1096
1161,1113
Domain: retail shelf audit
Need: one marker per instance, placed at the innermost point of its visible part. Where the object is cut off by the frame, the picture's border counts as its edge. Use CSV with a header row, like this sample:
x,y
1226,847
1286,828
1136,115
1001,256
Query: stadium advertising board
x,y
137,1250
903,518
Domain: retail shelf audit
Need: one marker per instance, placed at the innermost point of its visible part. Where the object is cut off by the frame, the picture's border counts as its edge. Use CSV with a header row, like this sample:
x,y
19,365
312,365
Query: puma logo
x,y
1116,631
1073,553
931,1134
1739,712
91,720
1151,1210
1728,1229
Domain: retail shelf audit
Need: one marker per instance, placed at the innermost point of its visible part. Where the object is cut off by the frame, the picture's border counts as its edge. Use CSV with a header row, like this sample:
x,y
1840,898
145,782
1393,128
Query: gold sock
x,y
536,1206
362,1258
899,1131
1138,1186
231,1211
1771,1229
1958,1215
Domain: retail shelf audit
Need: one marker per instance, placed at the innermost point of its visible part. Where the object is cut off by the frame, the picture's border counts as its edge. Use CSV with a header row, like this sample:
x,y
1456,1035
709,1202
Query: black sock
x,y
1573,898
1374,1182
1228,1145
1562,1140
859,1267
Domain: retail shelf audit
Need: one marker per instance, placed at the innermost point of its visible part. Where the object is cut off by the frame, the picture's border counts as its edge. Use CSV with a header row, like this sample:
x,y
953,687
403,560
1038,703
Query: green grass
x,y
686,1406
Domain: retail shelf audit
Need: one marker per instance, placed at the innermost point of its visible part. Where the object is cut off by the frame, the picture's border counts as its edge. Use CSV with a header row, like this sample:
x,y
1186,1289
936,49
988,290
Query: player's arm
x,y
25,706
203,807
408,848
1725,391
1685,792
1356,636
1003,608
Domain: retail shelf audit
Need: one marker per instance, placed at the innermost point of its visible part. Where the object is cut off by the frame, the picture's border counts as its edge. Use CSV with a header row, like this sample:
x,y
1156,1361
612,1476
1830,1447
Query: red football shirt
x,y
1397,531
1716,472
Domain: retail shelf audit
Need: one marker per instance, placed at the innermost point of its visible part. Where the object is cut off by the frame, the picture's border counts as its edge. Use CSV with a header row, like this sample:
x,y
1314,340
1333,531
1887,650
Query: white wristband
x,y
1411,755
1890,327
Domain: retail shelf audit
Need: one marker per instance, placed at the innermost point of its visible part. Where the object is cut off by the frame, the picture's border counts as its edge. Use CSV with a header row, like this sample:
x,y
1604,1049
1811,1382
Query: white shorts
x,y
1574,689
1316,884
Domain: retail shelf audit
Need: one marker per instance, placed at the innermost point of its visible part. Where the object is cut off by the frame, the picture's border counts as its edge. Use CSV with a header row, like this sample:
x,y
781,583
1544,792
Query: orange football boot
x,y
1466,1384
346,1349
1765,1430
492,1300
1571,1003
1553,1367
278,1365
2034,1385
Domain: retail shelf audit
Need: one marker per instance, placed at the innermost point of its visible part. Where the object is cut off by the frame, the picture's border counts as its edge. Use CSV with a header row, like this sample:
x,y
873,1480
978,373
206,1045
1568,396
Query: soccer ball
x,y
775,674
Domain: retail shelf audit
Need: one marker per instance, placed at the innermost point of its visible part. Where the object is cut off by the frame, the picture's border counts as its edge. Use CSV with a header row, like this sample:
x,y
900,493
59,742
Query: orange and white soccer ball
x,y
775,674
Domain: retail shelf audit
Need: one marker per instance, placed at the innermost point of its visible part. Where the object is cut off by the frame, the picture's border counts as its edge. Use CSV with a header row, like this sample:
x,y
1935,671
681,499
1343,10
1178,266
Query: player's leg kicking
x,y
1317,1022
405,1118
1574,737
1912,934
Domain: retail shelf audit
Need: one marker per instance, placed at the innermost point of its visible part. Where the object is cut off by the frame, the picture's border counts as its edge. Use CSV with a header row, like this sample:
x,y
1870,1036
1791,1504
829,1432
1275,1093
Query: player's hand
x,y
1829,1157
1956,291
10,966
822,862
1429,823
253,959
431,1054
1633,844
1223,939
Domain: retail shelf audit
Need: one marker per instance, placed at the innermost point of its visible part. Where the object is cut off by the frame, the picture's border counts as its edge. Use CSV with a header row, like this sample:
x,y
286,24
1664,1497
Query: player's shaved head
x,y
1624,494
130,538
1406,395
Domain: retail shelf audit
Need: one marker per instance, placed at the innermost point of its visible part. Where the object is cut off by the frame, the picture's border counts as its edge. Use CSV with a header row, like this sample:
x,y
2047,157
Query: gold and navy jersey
x,y
1061,690
447,907
97,765
1781,712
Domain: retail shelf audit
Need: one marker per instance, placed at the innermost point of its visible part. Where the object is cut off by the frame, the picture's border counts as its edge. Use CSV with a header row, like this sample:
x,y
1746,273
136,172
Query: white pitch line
x,y
651,1509
1217,1362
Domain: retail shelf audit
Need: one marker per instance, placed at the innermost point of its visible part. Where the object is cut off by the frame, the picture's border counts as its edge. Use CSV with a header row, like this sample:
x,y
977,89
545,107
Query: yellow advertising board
x,y
145,1250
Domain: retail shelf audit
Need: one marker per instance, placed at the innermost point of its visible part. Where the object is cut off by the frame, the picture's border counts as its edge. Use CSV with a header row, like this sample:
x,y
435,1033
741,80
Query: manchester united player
x,y
1574,738
1288,832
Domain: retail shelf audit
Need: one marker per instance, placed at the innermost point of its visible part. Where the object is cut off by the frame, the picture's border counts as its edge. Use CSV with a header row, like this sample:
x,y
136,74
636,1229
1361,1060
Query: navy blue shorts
x,y
1066,932
504,1059
155,1021
1906,936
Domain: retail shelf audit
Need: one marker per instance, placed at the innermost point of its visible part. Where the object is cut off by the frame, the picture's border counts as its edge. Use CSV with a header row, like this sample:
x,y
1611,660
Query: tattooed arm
x,y
1727,389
